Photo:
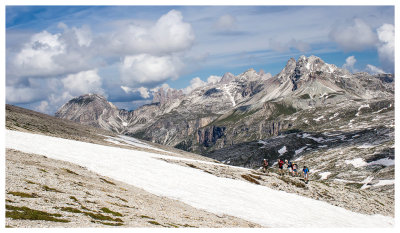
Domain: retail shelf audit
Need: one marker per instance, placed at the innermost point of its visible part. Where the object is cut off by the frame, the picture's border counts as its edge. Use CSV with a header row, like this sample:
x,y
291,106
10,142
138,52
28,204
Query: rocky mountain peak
x,y
164,96
228,77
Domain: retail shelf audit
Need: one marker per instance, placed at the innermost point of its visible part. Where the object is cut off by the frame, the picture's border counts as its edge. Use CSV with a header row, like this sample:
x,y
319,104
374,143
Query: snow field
x,y
241,199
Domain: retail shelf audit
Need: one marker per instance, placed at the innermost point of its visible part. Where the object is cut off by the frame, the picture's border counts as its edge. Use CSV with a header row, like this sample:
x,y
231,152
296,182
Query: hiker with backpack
x,y
289,166
305,172
294,168
280,165
265,165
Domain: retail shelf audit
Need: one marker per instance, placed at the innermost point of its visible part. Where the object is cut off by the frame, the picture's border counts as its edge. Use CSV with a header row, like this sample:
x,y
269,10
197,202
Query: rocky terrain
x,y
43,192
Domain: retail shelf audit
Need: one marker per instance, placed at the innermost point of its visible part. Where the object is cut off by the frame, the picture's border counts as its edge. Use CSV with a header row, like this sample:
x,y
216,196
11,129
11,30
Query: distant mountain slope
x,y
243,108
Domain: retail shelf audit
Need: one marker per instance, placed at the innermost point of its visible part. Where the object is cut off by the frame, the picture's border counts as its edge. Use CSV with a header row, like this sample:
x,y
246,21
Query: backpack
x,y
290,164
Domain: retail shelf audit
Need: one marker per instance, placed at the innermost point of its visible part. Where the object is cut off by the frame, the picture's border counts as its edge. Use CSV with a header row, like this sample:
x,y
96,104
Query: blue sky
x,y
54,53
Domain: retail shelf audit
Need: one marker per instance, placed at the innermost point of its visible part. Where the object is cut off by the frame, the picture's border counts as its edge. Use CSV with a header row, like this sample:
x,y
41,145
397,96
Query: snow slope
x,y
248,201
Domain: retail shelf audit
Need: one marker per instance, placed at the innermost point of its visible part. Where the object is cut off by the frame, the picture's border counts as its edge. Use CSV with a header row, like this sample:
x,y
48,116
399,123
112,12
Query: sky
x,y
125,53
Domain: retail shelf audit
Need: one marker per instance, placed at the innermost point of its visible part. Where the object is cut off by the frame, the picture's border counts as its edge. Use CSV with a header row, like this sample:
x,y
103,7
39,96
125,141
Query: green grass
x,y
112,224
70,172
108,182
26,213
305,96
154,222
47,188
108,211
71,209
22,194
99,216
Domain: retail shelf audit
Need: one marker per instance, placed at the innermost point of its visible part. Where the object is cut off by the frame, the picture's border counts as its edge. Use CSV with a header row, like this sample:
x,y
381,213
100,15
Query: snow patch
x,y
324,175
366,146
319,118
245,200
357,162
366,181
385,162
283,150
384,182
300,150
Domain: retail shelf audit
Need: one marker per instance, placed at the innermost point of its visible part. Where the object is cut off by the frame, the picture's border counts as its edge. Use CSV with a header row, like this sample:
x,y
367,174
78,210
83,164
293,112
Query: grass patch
x,y
124,200
305,96
355,185
102,217
74,199
70,172
108,182
108,211
47,188
250,179
144,216
192,166
42,170
25,195
26,213
71,209
154,222
30,182
172,225
255,177
112,224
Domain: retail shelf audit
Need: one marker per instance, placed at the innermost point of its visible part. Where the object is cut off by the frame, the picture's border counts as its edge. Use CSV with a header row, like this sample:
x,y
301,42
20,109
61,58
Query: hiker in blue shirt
x,y
305,172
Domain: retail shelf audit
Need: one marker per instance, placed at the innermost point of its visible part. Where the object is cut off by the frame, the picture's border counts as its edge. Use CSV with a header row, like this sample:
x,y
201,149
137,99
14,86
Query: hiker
x,y
305,172
294,168
265,165
289,166
280,164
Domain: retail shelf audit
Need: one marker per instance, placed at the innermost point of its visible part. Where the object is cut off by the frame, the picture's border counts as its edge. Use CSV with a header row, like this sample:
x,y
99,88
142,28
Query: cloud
x,y
374,70
197,82
83,82
148,70
356,36
144,92
226,22
349,65
168,35
386,46
43,107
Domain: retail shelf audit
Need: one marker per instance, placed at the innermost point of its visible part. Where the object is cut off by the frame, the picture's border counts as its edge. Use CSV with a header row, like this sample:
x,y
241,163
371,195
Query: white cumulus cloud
x,y
197,82
386,46
169,34
356,36
373,69
349,65
83,82
145,69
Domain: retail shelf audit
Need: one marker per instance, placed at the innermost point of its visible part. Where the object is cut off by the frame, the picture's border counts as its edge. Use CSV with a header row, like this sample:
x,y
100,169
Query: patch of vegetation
x,y
42,170
22,194
124,200
250,179
99,216
112,224
71,209
305,96
108,211
108,182
355,185
154,222
47,188
74,199
26,213
70,172
145,216
282,109
30,182
172,225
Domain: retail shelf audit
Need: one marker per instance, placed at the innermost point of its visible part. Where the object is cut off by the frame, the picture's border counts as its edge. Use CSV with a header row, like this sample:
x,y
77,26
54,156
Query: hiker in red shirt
x,y
280,164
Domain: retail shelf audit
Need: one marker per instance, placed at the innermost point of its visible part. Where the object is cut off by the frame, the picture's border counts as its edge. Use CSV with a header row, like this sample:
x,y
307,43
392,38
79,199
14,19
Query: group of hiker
x,y
292,168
